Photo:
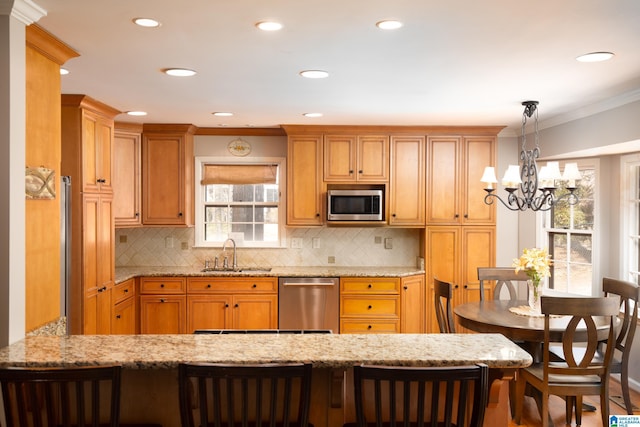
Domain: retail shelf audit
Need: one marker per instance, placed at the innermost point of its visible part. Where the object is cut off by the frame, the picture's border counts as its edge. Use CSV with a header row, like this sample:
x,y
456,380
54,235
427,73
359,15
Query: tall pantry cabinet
x,y
87,144
461,228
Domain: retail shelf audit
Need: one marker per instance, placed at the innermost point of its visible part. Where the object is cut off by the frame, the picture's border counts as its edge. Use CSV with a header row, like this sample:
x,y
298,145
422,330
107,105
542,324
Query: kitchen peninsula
x,y
149,383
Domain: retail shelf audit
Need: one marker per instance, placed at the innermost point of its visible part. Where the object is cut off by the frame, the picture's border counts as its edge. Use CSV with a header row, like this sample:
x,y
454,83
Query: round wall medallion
x,y
239,147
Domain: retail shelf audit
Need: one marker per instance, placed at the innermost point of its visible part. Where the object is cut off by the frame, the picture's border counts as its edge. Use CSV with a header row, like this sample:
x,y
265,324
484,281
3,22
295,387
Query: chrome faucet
x,y
235,253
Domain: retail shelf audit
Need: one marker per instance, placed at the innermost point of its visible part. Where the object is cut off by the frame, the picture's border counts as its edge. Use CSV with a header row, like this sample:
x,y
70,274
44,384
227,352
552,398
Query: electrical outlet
x,y
184,245
315,243
388,243
123,238
377,239
168,242
296,243
331,260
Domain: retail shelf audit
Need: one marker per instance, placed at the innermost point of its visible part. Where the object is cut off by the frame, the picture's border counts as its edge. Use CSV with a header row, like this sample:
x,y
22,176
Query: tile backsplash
x,y
389,247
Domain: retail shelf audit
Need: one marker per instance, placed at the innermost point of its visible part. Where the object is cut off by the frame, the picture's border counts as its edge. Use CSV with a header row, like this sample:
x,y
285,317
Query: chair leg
x,y
544,412
624,382
578,403
569,402
604,404
519,397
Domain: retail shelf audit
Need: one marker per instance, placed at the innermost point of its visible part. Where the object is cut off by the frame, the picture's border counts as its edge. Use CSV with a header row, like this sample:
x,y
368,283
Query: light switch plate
x,y
296,243
388,243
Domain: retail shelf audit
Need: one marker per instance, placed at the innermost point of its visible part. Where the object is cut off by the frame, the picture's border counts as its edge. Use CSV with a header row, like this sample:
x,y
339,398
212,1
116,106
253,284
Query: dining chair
x,y
504,277
578,375
45,397
628,292
220,395
420,396
442,295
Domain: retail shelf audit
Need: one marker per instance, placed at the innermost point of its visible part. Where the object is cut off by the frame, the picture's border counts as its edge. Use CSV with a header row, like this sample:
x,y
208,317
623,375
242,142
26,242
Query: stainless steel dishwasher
x,y
309,303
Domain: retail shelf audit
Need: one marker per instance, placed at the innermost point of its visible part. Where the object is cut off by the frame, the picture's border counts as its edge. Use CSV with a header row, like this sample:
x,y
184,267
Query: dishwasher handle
x,y
294,284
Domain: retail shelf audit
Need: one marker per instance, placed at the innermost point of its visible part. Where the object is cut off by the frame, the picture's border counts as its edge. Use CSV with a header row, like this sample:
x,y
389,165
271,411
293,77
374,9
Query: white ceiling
x,y
455,62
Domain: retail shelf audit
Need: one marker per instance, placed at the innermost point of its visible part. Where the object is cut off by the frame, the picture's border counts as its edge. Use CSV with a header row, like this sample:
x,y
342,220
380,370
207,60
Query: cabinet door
x,y
166,184
97,137
105,265
406,198
97,312
442,262
372,158
162,314
479,248
443,182
255,312
126,179
340,158
123,320
304,181
208,312
479,152
412,305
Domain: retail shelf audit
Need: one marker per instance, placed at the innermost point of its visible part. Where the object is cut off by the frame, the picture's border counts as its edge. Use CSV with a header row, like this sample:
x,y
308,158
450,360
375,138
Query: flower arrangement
x,y
537,264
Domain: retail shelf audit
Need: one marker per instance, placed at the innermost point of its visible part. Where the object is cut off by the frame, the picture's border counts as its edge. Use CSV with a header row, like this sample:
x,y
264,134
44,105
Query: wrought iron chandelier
x,y
537,187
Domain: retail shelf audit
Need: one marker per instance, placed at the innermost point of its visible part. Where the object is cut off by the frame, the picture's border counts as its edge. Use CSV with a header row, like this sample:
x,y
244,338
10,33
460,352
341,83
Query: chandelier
x,y
537,187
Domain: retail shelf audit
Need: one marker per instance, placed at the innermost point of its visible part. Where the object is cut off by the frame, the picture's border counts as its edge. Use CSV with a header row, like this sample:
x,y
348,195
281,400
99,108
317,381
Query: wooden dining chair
x,y
504,278
219,395
442,295
420,396
61,397
577,376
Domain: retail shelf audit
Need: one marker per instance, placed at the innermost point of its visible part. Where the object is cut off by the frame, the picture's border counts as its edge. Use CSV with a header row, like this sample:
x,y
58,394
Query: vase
x,y
533,296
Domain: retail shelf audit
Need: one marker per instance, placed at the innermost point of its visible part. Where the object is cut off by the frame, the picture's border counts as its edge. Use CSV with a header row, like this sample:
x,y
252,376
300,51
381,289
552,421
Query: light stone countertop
x,y
125,273
322,350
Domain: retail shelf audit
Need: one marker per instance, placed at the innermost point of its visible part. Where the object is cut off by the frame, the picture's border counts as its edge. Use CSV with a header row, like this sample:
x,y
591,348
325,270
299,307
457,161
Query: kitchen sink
x,y
238,270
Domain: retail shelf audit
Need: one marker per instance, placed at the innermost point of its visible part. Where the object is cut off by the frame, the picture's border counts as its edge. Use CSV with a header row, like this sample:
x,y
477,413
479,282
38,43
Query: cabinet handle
x,y
118,316
466,215
360,171
350,172
456,216
406,287
126,291
161,299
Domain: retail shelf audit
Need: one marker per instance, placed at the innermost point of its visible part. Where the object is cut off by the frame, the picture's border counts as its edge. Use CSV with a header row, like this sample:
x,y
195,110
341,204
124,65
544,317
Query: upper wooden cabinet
x,y
363,158
455,194
87,138
406,187
126,176
167,175
304,180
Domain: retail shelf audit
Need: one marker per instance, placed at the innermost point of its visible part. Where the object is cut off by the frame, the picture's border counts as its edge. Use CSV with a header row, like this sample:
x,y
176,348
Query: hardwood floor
x,y
531,418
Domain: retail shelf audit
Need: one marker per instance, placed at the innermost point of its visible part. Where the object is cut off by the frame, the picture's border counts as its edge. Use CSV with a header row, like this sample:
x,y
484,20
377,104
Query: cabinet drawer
x,y
370,306
376,285
162,285
232,284
123,290
372,326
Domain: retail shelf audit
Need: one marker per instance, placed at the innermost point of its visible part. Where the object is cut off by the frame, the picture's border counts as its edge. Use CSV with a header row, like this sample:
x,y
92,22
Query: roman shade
x,y
239,174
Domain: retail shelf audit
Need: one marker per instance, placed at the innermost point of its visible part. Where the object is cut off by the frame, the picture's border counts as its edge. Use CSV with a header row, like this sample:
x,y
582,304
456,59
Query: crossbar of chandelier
x,y
537,187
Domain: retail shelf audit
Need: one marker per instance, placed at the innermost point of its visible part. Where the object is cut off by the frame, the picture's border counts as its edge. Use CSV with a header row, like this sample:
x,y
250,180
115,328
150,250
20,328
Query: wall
x,y
349,246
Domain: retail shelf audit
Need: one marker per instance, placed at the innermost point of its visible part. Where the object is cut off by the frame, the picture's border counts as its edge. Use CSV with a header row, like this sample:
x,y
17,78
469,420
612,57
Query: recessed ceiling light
x,y
312,115
389,24
222,114
137,113
269,25
146,22
595,57
63,71
179,72
314,74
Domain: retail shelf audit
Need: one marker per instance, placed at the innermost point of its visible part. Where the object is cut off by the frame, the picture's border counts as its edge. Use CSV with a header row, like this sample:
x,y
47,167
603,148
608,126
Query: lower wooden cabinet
x,y
232,303
124,316
369,305
163,305
412,305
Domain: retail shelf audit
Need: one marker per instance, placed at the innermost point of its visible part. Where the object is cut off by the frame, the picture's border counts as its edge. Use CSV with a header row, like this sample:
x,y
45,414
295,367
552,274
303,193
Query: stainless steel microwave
x,y
355,205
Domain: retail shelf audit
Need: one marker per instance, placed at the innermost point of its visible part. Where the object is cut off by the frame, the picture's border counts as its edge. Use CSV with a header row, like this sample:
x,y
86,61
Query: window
x,y
569,233
630,193
240,201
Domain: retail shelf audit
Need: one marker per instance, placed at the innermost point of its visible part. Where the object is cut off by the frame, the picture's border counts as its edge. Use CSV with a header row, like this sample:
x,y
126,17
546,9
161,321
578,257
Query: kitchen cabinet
x,y
406,187
163,305
87,141
232,303
304,180
412,304
454,254
350,158
369,305
167,175
127,151
455,195
124,315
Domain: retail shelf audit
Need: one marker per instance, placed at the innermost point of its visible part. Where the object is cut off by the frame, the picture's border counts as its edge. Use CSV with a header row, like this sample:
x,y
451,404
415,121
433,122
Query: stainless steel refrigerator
x,y
65,246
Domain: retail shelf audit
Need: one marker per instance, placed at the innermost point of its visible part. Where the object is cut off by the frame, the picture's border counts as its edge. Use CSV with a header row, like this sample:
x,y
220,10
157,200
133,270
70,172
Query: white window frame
x,y
542,238
627,163
200,161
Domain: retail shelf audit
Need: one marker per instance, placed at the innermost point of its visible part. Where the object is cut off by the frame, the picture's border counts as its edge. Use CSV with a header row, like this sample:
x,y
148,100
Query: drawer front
x,y
370,306
123,290
232,284
377,285
162,285
372,326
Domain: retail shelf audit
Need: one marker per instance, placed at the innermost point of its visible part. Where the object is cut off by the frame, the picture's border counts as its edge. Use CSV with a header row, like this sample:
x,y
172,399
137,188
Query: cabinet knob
x,y
254,286
466,215
317,215
393,215
369,327
359,171
208,285
162,285
456,216
406,287
180,214
456,286
350,172
126,291
370,307
137,214
226,306
118,316
236,305
161,299
370,286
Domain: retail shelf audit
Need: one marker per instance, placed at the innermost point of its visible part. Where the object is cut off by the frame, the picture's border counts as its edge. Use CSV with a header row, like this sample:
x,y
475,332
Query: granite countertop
x,y
125,273
322,350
